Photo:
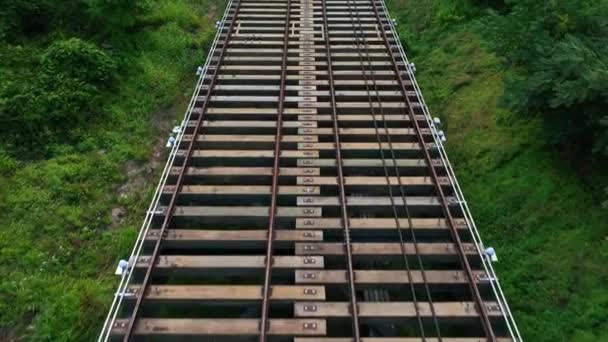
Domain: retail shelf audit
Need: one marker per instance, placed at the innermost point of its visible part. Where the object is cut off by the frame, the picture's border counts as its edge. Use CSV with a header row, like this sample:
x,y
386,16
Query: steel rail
x,y
468,217
171,206
400,184
126,277
487,325
345,221
275,180
382,157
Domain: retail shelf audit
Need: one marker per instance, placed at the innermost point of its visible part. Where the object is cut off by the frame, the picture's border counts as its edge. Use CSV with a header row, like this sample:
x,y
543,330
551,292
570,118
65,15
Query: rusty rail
x,y
275,180
397,174
354,309
171,207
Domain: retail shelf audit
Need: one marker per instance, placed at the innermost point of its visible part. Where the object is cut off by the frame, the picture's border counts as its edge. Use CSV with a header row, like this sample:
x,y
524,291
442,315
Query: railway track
x,y
308,197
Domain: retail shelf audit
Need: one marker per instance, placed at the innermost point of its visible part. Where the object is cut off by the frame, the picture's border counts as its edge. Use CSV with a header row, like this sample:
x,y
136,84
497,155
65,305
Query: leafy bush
x,y
77,60
112,17
100,18
53,105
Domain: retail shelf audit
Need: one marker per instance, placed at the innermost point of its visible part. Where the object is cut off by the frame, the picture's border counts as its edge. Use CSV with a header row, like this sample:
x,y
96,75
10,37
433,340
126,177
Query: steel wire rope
x,y
345,221
275,180
397,175
480,306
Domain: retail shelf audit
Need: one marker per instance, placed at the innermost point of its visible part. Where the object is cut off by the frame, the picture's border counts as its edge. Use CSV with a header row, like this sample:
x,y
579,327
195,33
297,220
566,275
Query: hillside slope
x,y
547,225
71,208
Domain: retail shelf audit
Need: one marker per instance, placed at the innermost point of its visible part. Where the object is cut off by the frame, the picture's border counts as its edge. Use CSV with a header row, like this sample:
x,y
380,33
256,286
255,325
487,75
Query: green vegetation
x,y
85,88
531,198
563,57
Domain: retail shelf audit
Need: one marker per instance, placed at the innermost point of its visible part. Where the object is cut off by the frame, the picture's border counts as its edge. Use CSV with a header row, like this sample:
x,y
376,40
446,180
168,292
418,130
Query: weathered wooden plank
x,y
220,327
363,277
221,171
253,138
242,190
372,201
373,248
325,162
397,339
289,99
377,223
363,146
253,124
242,211
249,154
228,292
354,72
392,309
369,180
306,90
254,110
230,262
203,235
370,118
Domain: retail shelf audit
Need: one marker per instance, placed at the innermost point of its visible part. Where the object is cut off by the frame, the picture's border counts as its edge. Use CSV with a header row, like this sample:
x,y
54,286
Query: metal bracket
x,y
310,275
310,308
310,261
309,326
310,291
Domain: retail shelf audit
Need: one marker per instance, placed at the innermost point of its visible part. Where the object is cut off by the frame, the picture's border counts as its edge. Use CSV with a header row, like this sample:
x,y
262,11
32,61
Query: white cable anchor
x,y
441,136
122,267
170,142
491,254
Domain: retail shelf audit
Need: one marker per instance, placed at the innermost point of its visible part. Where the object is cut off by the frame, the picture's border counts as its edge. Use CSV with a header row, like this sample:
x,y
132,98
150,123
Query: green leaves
x,y
18,17
114,17
60,97
78,60
561,51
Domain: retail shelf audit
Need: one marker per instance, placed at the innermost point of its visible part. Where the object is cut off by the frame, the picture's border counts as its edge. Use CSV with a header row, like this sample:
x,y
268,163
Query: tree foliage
x,y
99,18
50,84
561,49
18,17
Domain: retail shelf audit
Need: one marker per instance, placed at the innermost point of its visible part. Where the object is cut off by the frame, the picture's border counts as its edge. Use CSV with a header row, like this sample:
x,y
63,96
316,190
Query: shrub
x,y
75,59
55,104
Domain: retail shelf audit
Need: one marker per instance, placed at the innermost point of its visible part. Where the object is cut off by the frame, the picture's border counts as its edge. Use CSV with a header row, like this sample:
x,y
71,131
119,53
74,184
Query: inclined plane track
x,y
308,197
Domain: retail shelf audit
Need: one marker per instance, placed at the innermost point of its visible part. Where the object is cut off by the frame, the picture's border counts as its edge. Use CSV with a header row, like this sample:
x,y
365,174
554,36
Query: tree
x,y
18,17
561,48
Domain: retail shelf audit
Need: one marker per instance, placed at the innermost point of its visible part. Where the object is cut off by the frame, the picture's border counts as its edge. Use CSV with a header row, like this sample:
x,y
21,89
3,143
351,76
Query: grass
x,y
58,243
547,224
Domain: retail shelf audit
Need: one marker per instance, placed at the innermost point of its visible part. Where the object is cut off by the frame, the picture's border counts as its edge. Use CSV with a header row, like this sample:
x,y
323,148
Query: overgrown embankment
x,y
538,206
86,89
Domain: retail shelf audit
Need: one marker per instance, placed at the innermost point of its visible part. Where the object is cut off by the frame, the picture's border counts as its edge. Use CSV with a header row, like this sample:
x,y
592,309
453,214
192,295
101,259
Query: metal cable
x,y
398,176
345,222
487,325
